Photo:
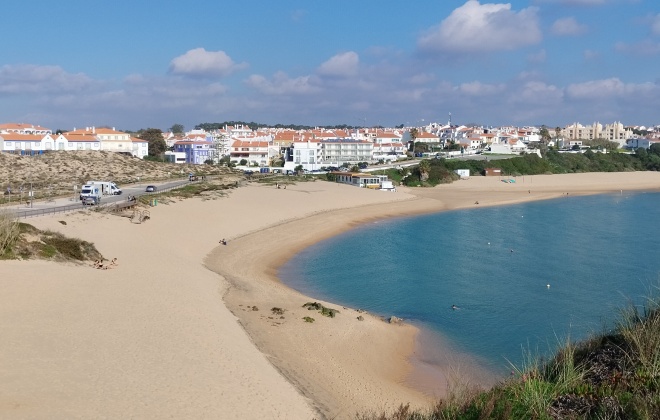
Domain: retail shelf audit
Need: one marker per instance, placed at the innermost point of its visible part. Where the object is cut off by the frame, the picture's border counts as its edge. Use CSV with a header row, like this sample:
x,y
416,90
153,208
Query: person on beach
x,y
222,241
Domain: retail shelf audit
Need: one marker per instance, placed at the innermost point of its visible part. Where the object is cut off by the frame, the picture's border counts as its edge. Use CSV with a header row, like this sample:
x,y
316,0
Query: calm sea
x,y
524,277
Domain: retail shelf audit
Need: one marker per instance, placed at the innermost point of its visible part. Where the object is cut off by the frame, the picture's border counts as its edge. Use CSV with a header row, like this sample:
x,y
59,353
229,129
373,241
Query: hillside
x,y
57,172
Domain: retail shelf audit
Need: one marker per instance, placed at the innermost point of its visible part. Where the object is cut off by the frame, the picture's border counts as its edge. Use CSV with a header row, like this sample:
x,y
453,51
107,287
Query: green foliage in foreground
x,y
442,170
612,376
9,232
31,243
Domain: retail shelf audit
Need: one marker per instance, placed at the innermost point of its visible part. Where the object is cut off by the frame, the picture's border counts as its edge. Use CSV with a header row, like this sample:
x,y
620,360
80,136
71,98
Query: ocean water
x,y
524,277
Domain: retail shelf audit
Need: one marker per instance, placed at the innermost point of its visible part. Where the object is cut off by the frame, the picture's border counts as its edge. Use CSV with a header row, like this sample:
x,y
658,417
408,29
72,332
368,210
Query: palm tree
x,y
414,132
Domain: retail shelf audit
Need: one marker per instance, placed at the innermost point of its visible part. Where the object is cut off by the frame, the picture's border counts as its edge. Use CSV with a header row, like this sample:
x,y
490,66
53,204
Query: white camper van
x,y
107,188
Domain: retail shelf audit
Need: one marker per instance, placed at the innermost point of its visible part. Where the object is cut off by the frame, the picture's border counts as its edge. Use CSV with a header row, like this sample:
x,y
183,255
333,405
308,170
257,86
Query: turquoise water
x,y
596,253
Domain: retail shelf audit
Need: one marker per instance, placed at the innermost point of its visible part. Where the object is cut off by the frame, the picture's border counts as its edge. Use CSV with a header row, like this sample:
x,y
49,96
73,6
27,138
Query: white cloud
x,y
477,88
536,92
591,55
421,78
538,57
595,89
568,26
575,2
474,27
655,25
583,2
341,65
281,84
33,79
201,63
642,48
610,88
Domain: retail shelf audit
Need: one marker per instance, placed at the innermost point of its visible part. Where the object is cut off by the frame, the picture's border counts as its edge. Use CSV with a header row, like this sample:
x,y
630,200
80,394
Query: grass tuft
x,y
9,232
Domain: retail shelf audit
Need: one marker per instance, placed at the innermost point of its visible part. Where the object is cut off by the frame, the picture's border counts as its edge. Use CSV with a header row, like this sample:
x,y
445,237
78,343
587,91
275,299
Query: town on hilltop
x,y
322,148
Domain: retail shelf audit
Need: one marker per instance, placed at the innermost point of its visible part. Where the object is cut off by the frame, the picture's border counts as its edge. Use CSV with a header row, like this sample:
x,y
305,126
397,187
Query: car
x,y
90,201
151,188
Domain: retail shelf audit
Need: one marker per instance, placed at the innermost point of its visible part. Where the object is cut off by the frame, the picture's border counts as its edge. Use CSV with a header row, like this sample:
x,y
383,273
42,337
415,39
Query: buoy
x,y
548,285
488,243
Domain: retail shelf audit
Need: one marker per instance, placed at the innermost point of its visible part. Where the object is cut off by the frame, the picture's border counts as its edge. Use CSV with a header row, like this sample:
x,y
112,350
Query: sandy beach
x,y
183,326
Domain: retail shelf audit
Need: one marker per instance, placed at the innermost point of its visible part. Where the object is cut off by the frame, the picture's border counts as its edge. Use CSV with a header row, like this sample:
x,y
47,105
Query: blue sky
x,y
137,64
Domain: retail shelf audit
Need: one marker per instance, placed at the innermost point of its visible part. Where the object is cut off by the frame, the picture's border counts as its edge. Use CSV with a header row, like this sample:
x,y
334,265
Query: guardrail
x,y
114,206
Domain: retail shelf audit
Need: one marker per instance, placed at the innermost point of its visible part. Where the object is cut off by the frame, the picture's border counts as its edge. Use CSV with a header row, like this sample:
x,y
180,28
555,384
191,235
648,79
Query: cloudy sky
x,y
134,64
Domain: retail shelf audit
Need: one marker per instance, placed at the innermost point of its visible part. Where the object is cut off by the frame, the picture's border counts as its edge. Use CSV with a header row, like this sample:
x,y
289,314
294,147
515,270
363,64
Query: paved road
x,y
72,202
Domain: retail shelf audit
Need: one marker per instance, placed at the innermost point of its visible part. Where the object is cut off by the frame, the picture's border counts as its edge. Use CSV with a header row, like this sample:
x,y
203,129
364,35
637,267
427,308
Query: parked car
x,y
151,188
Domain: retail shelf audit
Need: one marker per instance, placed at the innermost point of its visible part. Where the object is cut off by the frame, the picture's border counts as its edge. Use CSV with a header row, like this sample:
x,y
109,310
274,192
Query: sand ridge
x,y
161,335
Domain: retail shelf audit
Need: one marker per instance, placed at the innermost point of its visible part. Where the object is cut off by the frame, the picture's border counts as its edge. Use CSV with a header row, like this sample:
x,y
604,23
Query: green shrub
x,y
9,231
72,248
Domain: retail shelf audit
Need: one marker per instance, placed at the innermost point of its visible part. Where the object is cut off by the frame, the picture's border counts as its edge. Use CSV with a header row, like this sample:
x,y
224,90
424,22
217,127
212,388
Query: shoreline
x,y
163,334
424,201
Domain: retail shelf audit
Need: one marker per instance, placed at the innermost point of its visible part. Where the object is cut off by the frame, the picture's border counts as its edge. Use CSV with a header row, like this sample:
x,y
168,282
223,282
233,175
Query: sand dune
x,y
162,335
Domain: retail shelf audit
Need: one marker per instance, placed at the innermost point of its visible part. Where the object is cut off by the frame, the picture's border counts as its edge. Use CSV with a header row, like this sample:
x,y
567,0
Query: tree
x,y
177,129
655,148
243,162
414,132
424,169
225,161
421,147
545,134
157,145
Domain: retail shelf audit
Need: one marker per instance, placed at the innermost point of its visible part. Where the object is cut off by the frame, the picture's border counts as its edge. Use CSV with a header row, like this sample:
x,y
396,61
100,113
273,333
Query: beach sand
x,y
172,331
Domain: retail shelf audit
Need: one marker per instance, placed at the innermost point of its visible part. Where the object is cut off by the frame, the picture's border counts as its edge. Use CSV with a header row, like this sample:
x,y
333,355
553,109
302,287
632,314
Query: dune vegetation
x,y
614,375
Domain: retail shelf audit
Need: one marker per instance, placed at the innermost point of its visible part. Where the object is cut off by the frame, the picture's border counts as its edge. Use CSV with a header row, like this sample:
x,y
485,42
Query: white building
x,y
613,132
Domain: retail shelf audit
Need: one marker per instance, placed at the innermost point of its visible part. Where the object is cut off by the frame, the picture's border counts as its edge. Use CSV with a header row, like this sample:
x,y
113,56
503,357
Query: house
x,y
335,152
78,142
23,144
110,139
308,154
140,147
24,129
195,152
34,144
254,152
424,137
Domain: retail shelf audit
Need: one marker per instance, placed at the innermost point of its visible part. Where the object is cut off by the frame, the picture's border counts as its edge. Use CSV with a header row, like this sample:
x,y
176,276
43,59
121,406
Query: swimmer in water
x,y
454,307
